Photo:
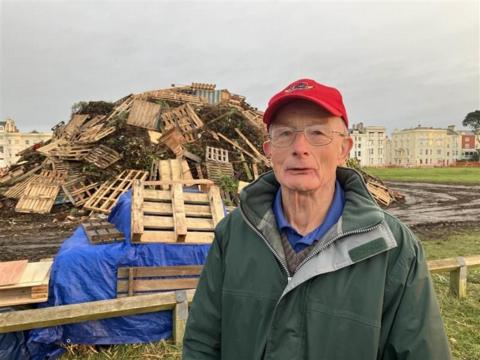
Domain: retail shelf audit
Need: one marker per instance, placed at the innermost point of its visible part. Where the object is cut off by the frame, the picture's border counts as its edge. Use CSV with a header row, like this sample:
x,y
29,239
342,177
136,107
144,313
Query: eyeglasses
x,y
316,135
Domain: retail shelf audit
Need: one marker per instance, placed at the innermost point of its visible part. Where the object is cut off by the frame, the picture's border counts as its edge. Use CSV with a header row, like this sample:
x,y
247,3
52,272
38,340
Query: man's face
x,y
302,166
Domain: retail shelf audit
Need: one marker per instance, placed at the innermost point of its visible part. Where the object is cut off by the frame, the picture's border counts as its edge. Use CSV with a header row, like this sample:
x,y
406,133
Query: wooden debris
x,y
173,215
32,286
253,148
133,281
217,170
216,154
102,156
174,139
183,117
173,96
11,271
38,198
72,152
101,232
144,114
107,195
169,170
94,134
79,190
379,192
73,126
52,146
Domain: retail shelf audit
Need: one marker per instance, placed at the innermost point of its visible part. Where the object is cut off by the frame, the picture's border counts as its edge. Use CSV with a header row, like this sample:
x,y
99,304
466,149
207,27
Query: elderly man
x,y
309,267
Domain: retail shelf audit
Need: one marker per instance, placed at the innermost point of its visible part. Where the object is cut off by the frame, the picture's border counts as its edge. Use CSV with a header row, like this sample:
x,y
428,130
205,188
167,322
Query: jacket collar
x,y
360,211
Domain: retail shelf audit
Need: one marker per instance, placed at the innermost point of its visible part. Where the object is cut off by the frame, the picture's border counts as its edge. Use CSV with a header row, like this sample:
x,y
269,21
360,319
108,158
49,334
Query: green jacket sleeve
x,y
411,320
203,330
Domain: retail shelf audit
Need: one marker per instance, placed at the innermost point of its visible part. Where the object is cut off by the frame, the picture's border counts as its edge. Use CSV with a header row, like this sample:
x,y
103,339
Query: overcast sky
x,y
398,64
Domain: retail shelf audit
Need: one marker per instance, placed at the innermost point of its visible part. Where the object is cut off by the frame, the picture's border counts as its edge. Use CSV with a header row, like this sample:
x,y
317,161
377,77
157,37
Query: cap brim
x,y
273,107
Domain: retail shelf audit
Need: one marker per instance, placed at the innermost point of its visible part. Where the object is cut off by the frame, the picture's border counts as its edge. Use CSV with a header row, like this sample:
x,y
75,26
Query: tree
x,y
472,120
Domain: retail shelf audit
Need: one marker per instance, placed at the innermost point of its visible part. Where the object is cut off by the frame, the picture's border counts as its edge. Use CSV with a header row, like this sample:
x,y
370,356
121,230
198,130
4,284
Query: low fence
x,y
177,301
457,267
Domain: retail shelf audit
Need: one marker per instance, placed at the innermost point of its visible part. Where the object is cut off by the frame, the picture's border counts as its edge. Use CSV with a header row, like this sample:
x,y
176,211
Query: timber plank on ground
x,y
11,271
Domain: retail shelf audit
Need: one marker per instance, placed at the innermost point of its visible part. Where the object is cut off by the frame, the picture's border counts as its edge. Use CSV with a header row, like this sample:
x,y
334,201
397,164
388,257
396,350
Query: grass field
x,y
430,175
461,317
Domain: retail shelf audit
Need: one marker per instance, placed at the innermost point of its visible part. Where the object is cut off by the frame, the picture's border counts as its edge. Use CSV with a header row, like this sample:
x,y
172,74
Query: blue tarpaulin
x,y
83,272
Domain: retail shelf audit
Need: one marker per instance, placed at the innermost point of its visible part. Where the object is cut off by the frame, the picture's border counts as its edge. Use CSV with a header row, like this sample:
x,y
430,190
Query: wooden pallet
x,y
217,170
216,154
38,198
144,114
72,152
379,192
102,156
54,145
79,190
133,281
107,195
73,126
183,117
95,133
101,232
202,86
168,216
11,271
32,286
16,191
173,139
173,96
168,170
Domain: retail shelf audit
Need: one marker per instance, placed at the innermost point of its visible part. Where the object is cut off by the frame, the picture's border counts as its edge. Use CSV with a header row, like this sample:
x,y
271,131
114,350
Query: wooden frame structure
x,y
183,117
141,280
107,195
79,190
170,170
173,215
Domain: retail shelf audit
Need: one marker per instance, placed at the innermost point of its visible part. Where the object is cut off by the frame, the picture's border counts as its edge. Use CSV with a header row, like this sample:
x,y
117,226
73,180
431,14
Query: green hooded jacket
x,y
364,292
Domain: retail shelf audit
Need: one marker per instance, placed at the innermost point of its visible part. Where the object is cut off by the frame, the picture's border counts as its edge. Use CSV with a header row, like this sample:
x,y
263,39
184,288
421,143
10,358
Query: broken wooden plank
x,y
253,148
79,190
174,139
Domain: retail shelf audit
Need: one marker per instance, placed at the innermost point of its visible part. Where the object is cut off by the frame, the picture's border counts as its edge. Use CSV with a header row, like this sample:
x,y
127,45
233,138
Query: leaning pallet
x,y
102,156
168,216
32,287
144,114
40,194
106,197
79,190
168,170
101,231
133,281
183,117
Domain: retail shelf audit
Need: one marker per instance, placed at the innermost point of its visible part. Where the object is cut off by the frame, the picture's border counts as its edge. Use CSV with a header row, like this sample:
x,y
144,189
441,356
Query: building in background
x,y
425,146
12,141
369,144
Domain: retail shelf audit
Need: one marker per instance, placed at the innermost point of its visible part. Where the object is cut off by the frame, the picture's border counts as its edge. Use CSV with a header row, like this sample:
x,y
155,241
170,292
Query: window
x,y
420,161
1,149
359,153
27,142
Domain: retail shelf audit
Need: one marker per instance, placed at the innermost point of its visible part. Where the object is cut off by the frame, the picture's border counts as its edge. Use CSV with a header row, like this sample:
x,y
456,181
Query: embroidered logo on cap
x,y
299,86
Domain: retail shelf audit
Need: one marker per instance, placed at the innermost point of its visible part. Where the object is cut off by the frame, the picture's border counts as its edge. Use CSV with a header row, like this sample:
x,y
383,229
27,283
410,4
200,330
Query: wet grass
x,y
461,317
428,175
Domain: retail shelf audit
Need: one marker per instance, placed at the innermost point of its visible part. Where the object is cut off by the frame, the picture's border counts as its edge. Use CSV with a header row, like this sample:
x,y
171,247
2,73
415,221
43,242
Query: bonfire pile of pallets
x,y
179,133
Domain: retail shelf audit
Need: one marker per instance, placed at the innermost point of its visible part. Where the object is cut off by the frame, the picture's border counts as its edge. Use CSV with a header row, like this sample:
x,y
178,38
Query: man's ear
x,y
345,148
266,148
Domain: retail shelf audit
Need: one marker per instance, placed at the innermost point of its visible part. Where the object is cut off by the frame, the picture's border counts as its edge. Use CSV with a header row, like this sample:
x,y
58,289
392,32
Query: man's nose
x,y
300,143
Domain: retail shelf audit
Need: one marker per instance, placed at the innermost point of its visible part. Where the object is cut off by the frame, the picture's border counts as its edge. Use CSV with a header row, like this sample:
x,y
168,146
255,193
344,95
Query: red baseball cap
x,y
327,97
